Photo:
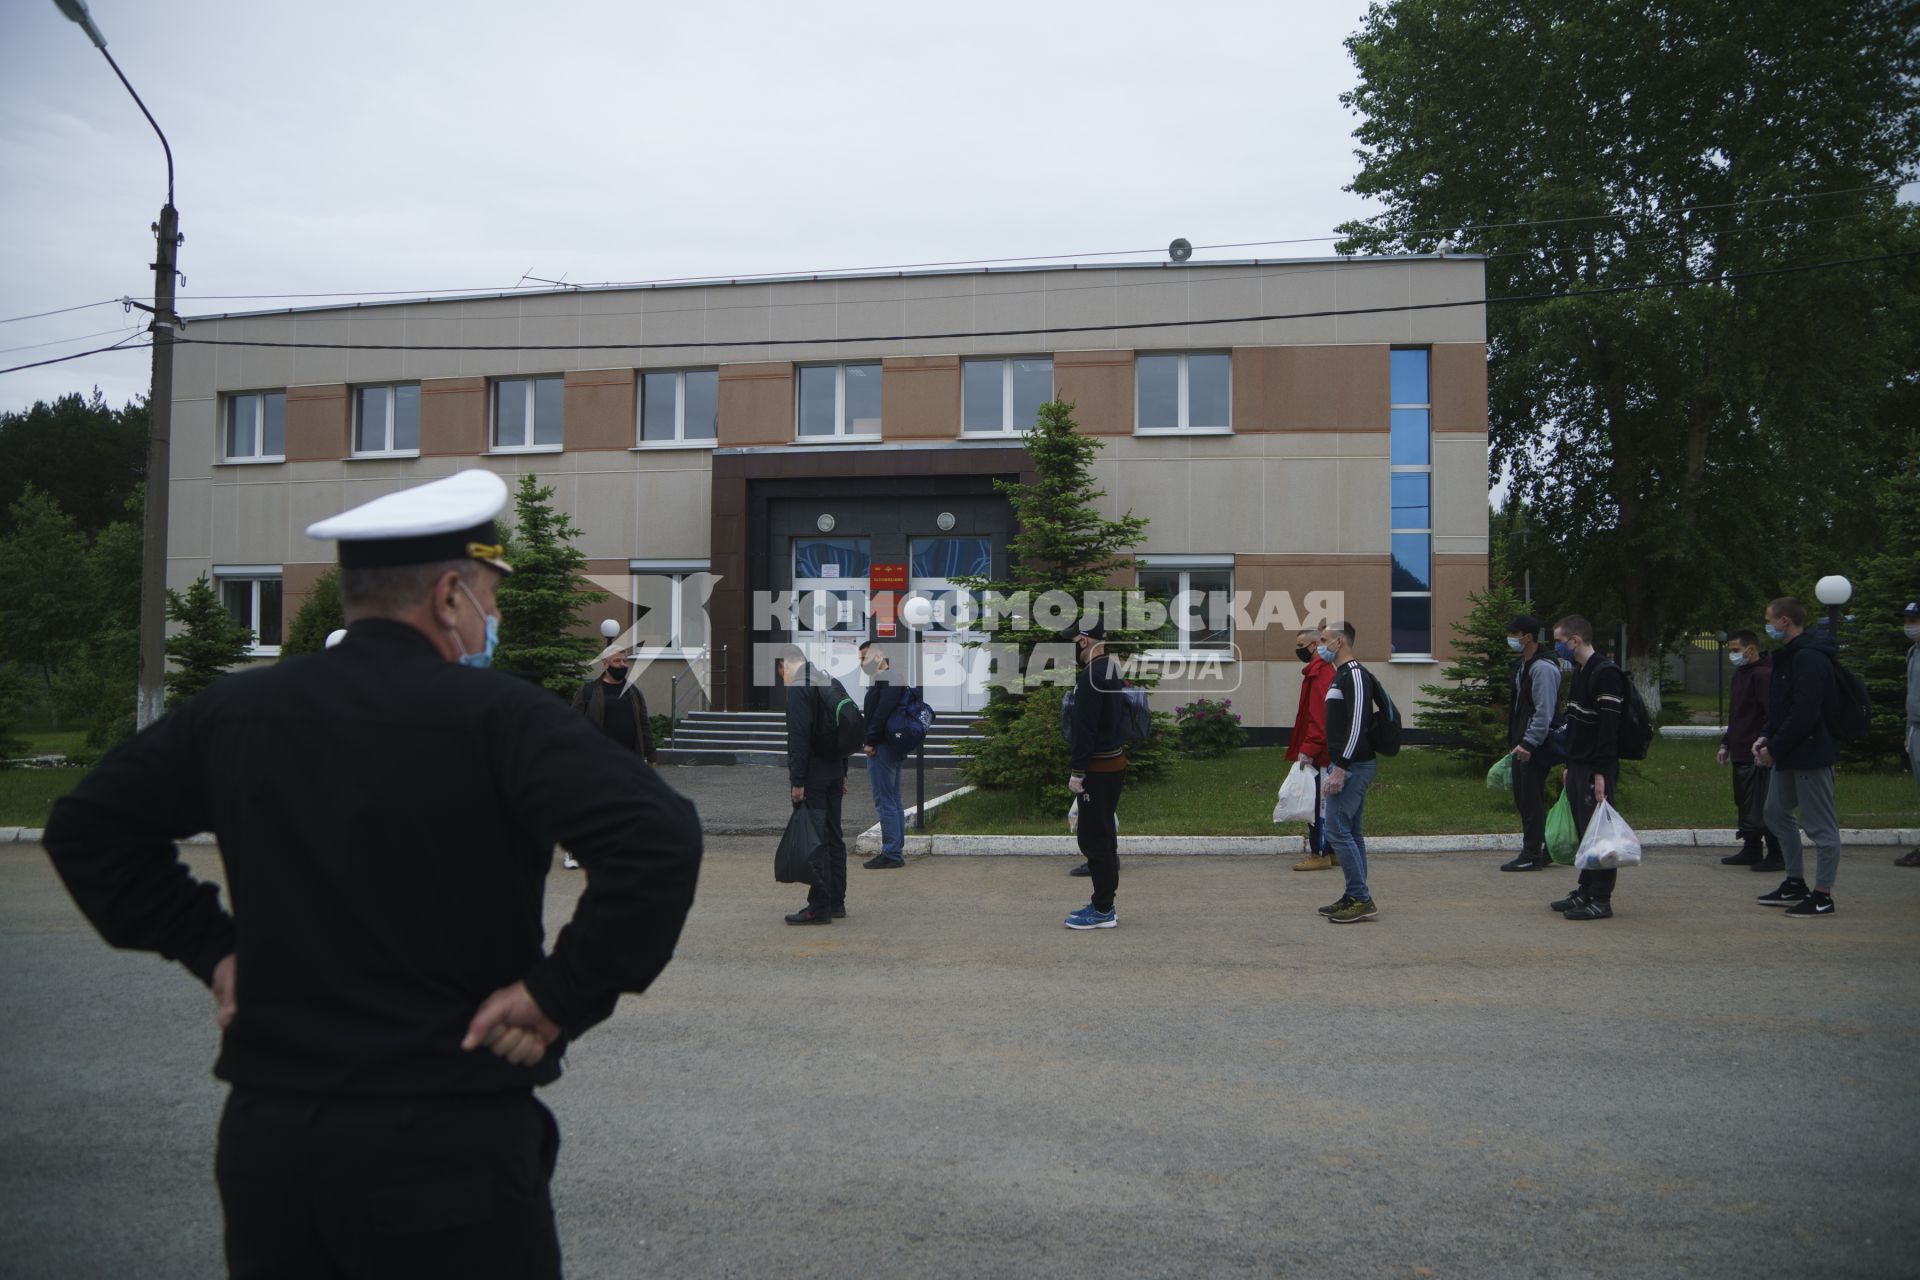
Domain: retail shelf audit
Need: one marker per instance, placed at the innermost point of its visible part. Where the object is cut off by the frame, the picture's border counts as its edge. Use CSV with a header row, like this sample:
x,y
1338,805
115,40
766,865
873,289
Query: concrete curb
x,y
1272,846
868,841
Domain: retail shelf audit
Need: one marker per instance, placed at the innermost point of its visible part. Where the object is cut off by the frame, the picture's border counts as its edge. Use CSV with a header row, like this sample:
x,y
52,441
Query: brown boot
x,y
1315,862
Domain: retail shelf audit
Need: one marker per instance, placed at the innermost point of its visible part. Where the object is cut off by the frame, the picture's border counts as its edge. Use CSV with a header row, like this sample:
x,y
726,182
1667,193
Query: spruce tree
x,y
1887,579
209,644
319,617
540,601
1469,713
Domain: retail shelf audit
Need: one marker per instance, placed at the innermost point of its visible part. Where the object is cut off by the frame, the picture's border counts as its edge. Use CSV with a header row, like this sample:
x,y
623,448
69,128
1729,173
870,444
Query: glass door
x,y
948,667
830,589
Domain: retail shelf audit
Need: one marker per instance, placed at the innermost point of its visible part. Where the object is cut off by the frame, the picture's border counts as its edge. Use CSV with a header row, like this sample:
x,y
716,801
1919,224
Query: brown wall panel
x,y
1365,581
453,416
1454,576
1310,388
756,404
296,584
318,423
1100,385
1459,387
599,409
920,397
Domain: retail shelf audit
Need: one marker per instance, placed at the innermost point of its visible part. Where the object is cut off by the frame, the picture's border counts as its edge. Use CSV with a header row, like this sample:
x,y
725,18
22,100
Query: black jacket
x,y
1797,733
1747,709
1596,699
1348,705
882,700
386,821
1095,726
591,701
810,716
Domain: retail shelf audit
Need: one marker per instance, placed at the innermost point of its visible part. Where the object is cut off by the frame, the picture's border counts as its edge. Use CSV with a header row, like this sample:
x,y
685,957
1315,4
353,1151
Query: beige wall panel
x,y
1459,387
1100,385
1074,299
309,502
1302,505
1403,681
1148,297
319,422
1448,281
193,372
492,328
1015,301
920,397
196,438
599,409
1453,577
1281,702
863,319
949,313
1291,291
1366,506
377,327
1366,287
1230,293
1460,486
433,326
1236,447
1326,388
673,511
608,517
756,404
550,326
190,518
249,523
1228,505
453,416
807,320
1157,492
320,363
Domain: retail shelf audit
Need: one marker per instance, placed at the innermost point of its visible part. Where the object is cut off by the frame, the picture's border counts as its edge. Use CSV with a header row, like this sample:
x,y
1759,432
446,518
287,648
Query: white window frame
x,y
493,413
255,458
840,433
1433,622
389,451
680,440
255,574
677,571
1182,398
1006,393
1185,565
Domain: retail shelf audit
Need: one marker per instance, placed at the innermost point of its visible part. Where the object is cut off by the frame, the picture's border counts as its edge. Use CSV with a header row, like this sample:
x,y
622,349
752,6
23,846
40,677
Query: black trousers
x,y
1597,884
1099,842
355,1187
826,797
1530,801
1750,782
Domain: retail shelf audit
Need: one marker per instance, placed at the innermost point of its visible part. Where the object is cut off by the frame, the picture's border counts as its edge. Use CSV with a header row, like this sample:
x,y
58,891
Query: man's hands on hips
x,y
225,1004
512,1025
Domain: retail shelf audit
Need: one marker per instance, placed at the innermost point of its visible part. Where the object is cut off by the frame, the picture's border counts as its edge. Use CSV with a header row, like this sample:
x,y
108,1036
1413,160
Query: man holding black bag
x,y
817,777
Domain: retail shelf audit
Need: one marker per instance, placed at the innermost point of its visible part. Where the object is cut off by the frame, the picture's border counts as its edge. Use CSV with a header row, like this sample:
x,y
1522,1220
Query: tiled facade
x,y
1295,492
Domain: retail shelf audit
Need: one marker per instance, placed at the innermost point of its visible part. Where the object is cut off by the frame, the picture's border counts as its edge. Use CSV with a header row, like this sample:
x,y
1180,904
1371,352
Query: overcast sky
x,y
425,145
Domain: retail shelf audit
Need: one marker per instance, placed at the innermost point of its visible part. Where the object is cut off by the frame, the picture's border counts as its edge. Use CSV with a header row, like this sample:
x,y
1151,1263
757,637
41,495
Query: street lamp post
x,y
917,613
151,698
1833,591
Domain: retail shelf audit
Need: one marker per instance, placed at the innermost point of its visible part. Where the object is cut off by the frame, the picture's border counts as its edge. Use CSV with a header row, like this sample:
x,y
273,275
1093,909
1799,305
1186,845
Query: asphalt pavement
x,y
949,1083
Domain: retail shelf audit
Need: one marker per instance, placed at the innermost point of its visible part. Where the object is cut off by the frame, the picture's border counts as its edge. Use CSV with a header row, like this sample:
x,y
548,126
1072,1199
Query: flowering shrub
x,y
1208,728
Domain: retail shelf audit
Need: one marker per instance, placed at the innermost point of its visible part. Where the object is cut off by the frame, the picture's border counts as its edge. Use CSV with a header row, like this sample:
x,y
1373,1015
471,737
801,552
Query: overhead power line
x,y
41,315
78,355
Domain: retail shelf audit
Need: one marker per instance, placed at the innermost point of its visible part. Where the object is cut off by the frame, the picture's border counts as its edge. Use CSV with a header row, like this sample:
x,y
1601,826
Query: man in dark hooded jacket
x,y
1800,749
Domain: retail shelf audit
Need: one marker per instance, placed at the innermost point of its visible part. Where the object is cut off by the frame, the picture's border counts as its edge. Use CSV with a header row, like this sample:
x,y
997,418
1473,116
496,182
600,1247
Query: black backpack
x,y
1136,715
1636,726
1849,710
846,723
1383,719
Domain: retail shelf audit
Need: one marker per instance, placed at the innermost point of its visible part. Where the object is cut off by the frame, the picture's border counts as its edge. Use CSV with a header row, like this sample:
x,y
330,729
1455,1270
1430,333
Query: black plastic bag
x,y
802,855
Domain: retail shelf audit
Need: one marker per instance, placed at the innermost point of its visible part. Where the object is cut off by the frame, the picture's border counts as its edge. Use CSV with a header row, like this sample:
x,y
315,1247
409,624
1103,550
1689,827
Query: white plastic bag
x,y
1296,794
1609,842
1073,818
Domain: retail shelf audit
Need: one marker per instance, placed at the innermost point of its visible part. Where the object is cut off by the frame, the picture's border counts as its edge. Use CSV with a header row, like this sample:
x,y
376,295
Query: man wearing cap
x,y
386,816
1099,770
1910,623
1536,694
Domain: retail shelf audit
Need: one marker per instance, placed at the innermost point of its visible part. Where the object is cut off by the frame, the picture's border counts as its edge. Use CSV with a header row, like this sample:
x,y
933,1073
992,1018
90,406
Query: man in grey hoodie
x,y
1910,620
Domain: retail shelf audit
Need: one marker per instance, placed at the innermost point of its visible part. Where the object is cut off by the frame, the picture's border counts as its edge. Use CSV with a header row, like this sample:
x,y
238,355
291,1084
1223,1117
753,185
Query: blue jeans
x,y
1343,827
883,775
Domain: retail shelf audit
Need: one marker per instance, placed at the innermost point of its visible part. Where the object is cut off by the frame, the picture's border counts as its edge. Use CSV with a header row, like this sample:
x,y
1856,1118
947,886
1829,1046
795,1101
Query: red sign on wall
x,y
887,582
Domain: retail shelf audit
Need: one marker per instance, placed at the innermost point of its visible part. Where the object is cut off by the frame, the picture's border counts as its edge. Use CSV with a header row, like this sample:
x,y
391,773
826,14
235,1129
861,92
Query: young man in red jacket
x,y
1308,742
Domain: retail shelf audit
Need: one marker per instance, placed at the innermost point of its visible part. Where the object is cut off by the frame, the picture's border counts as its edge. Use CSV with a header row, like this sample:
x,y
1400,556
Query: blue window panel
x,y
850,555
1408,372
1412,438
952,557
1412,507
1412,625
1412,562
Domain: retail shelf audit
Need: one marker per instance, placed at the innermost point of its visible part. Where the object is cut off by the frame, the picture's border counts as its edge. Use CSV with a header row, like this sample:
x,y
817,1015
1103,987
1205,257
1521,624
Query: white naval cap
x,y
446,519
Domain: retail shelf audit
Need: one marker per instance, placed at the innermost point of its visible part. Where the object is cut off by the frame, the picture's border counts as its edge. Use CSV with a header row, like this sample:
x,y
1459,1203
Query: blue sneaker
x,y
1087,918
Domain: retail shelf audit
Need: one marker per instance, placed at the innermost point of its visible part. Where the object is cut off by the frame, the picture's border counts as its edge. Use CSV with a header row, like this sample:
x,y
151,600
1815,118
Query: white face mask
x,y
1913,631
1737,657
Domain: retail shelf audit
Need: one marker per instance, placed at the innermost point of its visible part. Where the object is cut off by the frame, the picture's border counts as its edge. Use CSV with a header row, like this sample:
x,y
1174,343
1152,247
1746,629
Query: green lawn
x,y
1420,792
27,795
47,742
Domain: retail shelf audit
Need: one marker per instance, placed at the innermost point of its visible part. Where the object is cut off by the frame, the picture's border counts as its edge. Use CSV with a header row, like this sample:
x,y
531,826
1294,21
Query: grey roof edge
x,y
708,282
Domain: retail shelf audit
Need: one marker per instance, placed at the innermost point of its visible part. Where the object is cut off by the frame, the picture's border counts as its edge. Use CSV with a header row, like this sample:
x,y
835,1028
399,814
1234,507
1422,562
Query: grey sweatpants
x,y
1811,792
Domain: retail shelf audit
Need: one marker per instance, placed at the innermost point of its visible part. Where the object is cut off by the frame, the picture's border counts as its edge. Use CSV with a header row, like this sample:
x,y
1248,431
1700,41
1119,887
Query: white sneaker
x,y
570,862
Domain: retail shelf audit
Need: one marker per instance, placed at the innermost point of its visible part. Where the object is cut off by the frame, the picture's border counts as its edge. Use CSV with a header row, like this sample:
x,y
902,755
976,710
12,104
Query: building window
x,y
1183,391
1197,593
1003,397
839,400
386,420
681,407
252,597
257,426
670,605
1410,452
526,413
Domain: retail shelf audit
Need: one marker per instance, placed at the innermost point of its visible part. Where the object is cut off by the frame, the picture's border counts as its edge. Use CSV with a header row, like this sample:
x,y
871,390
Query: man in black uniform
x,y
386,816
817,777
1099,770
1596,699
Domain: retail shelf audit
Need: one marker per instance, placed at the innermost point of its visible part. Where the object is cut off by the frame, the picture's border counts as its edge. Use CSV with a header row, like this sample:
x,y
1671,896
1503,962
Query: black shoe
x,y
811,915
840,912
1082,870
1589,909
883,863
1911,858
1772,862
1747,856
1525,862
1814,904
1789,892
1568,903
1346,900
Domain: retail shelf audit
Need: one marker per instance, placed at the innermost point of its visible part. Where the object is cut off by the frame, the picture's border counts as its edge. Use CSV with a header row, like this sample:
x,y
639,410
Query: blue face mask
x,y
1774,633
1515,643
1564,650
1326,654
484,658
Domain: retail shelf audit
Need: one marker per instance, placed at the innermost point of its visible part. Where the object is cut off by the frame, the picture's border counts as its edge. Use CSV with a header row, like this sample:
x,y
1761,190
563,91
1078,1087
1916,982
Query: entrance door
x,y
950,671
830,602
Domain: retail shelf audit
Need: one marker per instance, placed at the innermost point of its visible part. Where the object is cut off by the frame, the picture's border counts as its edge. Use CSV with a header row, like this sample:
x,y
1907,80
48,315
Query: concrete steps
x,y
760,737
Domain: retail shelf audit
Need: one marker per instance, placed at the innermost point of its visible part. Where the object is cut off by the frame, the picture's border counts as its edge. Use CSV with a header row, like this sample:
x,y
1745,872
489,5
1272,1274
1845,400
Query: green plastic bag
x,y
1563,841
1500,777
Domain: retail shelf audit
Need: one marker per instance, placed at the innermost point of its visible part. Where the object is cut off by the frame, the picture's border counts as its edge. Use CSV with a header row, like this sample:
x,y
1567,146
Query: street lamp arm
x,y
164,144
